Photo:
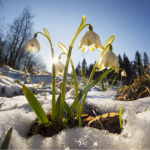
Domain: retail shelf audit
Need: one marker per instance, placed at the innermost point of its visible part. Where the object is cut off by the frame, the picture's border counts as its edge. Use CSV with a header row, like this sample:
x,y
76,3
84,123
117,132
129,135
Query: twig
x,y
99,120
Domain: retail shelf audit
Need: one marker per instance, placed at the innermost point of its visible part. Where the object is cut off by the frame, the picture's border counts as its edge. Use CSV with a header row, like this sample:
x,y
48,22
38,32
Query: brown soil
x,y
109,121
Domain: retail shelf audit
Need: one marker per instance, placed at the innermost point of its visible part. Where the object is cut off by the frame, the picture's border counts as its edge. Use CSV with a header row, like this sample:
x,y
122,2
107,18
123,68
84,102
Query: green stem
x,y
43,90
85,95
121,82
76,85
53,86
32,83
64,84
66,68
75,81
53,82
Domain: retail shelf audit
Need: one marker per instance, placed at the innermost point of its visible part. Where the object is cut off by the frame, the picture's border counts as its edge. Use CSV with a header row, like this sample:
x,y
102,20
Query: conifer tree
x,y
89,70
84,65
138,62
120,61
121,65
127,67
78,69
145,61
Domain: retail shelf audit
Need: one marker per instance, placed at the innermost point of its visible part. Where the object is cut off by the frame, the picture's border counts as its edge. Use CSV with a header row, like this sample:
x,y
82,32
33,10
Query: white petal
x,y
110,57
33,45
84,48
79,44
90,38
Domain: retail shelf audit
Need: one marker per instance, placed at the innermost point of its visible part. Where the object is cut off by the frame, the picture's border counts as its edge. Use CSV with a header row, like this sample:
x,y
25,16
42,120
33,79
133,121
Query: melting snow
x,y
16,112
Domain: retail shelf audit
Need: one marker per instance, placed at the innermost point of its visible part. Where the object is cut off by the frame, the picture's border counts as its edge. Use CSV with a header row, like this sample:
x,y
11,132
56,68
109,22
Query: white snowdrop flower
x,y
109,60
123,73
28,80
33,45
90,39
59,68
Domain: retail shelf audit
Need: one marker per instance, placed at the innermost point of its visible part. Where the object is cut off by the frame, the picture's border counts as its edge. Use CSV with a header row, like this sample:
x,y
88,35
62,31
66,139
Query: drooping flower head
x,y
108,60
59,67
33,45
90,40
123,73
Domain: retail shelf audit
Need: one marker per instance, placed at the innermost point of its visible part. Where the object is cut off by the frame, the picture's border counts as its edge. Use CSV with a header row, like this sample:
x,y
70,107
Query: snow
x,y
16,112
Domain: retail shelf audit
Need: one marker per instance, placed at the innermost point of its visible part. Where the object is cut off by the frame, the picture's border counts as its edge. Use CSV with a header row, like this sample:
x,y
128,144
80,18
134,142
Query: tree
x,y
145,61
120,61
127,67
89,69
18,34
78,69
138,63
121,64
84,66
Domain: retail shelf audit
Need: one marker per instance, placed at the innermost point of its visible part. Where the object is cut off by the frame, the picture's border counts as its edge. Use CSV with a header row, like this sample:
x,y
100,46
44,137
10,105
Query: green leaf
x,y
57,110
120,118
110,40
80,122
146,108
113,81
46,32
67,108
85,90
57,106
103,88
83,21
63,47
7,139
36,106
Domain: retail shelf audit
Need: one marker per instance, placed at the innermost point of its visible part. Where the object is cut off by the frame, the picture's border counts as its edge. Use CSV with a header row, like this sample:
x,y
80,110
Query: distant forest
x,y
133,69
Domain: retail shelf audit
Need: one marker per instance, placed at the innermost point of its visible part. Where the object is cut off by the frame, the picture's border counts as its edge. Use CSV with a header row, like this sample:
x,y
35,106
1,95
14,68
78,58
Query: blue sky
x,y
127,19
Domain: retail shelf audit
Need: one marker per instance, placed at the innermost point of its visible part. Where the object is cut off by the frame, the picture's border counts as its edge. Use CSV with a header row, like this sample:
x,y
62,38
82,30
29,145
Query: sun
x,y
55,60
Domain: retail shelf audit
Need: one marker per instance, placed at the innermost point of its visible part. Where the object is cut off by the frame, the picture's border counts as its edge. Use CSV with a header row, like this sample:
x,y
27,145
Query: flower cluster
x,y
89,40
107,60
